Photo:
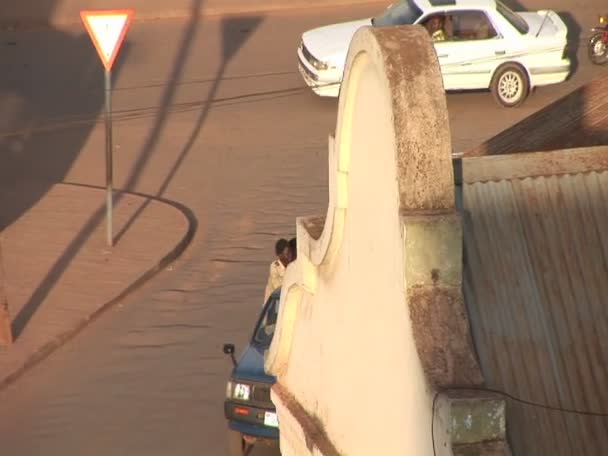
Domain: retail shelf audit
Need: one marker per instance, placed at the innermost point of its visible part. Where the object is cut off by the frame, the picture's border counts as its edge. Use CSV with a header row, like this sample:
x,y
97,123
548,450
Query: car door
x,y
472,50
442,45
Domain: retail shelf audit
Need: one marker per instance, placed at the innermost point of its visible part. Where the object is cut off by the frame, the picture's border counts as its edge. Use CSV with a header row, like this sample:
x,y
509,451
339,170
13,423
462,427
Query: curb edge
x,y
60,340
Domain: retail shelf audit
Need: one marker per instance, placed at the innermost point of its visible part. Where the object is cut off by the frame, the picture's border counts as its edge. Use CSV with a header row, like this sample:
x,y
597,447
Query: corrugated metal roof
x,y
536,288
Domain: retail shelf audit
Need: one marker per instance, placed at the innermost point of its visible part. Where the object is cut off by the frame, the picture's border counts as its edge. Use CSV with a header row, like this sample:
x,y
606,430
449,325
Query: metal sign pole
x,y
107,29
108,92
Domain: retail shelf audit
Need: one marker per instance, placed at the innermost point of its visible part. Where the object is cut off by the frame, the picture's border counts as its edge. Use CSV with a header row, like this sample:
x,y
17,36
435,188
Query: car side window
x,y
439,27
471,26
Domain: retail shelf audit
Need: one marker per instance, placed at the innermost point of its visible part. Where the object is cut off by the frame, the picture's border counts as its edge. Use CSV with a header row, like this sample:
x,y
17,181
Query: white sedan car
x,y
480,44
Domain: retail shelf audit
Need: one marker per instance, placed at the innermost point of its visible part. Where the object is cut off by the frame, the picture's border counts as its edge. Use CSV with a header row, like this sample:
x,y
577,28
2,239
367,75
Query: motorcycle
x,y
597,46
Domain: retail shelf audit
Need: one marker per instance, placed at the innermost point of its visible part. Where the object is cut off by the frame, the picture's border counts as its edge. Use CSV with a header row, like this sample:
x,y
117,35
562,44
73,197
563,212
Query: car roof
x,y
442,5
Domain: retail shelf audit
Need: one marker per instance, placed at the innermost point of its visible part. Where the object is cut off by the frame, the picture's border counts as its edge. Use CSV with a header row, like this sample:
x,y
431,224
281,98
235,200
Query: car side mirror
x,y
229,350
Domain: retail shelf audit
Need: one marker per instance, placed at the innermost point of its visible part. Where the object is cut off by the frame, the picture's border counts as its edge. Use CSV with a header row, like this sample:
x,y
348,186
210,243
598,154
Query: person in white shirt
x,y
277,267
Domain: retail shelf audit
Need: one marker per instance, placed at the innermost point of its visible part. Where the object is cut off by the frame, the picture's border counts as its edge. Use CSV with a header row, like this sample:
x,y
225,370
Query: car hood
x,y
330,43
251,366
548,22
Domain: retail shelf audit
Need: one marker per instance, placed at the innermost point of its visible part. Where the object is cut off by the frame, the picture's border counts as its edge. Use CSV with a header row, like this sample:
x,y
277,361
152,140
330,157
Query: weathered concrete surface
x,y
433,272
316,439
27,13
477,419
491,448
377,306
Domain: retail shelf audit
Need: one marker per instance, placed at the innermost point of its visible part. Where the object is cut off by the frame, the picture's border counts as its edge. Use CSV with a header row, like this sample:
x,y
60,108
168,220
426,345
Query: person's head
x,y
281,249
293,249
435,23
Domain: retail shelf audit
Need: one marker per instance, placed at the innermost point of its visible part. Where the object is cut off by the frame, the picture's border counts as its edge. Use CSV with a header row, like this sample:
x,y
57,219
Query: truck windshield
x,y
265,328
403,12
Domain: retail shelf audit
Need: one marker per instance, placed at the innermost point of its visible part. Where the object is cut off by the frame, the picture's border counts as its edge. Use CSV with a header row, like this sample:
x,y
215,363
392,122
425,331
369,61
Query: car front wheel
x,y
510,85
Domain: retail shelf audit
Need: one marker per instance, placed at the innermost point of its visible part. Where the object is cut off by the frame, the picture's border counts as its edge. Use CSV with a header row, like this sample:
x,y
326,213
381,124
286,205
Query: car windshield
x,y
404,12
514,19
265,328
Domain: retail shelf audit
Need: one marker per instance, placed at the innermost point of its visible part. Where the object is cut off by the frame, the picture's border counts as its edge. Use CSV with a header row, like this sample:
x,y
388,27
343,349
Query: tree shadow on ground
x,y
50,78
52,92
235,33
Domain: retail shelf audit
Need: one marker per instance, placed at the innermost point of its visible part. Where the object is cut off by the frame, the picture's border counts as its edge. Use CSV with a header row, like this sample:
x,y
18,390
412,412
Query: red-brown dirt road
x,y
212,114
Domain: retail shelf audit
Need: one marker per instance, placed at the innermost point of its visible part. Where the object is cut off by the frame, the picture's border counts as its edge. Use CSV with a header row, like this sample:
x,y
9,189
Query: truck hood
x,y
251,366
552,26
330,43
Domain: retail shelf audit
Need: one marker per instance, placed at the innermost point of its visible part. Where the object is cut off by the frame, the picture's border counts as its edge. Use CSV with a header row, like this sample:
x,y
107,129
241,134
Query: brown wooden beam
x,y
6,333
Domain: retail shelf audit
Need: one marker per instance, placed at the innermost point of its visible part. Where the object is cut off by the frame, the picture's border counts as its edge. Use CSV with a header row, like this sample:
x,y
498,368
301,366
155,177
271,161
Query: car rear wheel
x,y
510,85
236,444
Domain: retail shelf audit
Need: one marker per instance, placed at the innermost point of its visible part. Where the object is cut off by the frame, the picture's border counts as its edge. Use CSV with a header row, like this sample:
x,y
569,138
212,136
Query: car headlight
x,y
239,391
320,65
316,63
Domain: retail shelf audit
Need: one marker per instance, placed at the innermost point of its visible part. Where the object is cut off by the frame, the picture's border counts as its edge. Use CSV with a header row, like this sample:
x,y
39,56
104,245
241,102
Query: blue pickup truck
x,y
250,413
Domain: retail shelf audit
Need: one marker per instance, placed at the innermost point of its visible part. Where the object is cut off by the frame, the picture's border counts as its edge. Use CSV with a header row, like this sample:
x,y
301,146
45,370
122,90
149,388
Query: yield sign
x,y
107,29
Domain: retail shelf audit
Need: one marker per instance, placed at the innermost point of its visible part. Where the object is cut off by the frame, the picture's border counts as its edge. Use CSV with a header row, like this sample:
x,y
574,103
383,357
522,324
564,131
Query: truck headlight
x,y
229,390
239,391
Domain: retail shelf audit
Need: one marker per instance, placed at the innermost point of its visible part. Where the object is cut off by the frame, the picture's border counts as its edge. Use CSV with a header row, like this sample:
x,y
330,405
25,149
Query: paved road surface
x,y
213,115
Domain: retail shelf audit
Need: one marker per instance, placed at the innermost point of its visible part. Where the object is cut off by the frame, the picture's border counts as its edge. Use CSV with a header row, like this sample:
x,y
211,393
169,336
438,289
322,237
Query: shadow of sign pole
x,y
107,29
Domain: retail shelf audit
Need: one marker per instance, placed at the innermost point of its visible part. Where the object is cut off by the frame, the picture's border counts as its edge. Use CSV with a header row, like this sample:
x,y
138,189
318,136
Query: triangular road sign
x,y
107,29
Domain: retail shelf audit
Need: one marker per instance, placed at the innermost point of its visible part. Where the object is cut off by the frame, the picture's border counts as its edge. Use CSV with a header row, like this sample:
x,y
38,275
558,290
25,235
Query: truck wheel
x,y
236,444
510,85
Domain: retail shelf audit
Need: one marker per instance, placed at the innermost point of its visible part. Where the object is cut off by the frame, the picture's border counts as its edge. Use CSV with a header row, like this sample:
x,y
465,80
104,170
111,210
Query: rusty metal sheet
x,y
536,289
580,119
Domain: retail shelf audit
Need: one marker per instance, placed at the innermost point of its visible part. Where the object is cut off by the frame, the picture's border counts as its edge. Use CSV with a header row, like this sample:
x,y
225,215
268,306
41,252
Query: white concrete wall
x,y
356,341
345,350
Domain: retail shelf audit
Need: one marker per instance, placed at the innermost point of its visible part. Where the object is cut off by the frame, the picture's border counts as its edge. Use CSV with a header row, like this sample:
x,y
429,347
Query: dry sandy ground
x,y
214,115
